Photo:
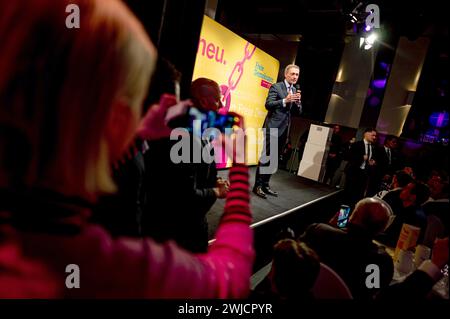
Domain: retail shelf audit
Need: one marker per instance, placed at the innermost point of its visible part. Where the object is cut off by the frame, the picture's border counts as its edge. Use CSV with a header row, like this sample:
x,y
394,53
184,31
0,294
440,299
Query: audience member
x,y
295,268
437,210
195,184
392,196
409,212
122,213
350,250
419,284
339,177
389,161
438,184
361,168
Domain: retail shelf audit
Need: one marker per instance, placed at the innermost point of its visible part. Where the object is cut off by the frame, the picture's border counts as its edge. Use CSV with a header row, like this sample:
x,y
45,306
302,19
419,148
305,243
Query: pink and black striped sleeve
x,y
232,253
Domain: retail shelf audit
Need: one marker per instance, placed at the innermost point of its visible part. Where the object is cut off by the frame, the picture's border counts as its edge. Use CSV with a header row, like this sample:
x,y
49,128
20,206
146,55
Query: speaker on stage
x,y
314,160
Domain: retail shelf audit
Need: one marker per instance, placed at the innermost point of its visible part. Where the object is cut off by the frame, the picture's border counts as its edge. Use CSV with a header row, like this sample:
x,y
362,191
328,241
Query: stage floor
x,y
294,192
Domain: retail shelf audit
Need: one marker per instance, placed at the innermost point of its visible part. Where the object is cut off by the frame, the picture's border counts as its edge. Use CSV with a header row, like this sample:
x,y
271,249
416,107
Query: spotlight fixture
x,y
368,40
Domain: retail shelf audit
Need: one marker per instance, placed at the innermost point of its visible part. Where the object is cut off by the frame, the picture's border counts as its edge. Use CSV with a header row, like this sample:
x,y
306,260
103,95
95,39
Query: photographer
x,y
194,184
70,104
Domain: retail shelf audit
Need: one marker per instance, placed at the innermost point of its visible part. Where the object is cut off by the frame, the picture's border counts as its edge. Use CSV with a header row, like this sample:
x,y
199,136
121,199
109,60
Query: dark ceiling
x,y
322,25
329,17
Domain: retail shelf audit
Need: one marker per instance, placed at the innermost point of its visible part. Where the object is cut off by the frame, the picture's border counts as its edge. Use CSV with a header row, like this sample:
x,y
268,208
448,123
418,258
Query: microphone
x,y
297,89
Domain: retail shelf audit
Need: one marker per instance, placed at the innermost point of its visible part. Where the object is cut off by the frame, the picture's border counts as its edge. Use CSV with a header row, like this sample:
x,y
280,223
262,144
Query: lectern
x,y
314,160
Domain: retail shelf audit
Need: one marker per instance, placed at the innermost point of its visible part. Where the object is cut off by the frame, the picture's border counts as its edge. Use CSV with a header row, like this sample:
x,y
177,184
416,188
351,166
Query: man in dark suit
x,y
350,250
361,167
389,160
283,99
187,191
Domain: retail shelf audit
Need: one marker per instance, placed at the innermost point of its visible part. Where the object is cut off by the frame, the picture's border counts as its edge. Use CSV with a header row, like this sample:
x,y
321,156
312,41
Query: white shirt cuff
x,y
284,102
431,269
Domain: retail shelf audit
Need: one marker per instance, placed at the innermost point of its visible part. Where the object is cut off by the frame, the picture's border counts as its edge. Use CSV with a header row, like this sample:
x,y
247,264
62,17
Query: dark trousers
x,y
332,166
263,179
355,186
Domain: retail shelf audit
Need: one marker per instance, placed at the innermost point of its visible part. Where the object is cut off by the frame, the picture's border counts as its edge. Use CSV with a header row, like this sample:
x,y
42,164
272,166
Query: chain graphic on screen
x,y
239,70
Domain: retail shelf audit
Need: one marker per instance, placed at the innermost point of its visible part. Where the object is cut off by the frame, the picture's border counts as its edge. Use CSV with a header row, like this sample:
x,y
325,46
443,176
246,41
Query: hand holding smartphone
x,y
197,121
344,214
154,124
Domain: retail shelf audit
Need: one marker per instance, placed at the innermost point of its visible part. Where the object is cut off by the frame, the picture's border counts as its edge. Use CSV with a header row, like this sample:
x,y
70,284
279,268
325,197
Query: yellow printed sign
x,y
244,73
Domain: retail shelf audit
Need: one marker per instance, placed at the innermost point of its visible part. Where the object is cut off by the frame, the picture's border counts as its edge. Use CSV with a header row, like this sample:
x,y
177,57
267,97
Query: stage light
x,y
371,38
368,40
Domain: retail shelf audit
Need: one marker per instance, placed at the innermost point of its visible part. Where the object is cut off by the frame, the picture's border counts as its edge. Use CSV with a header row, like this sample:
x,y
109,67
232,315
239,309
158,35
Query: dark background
x,y
323,25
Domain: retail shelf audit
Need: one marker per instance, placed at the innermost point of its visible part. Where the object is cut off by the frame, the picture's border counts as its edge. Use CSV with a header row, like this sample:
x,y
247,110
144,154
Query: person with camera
x,y
61,130
193,182
284,97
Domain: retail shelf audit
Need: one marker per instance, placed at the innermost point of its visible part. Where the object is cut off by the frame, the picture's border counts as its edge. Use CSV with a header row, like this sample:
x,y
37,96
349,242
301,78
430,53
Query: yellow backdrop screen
x,y
244,73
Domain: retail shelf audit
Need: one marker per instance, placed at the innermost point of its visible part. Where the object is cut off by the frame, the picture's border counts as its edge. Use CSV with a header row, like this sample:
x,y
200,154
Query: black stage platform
x,y
300,203
295,193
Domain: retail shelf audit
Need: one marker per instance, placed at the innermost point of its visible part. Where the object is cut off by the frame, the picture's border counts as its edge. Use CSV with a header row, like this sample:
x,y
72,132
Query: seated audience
x,y
350,250
295,268
419,284
437,212
409,212
339,177
392,196
438,184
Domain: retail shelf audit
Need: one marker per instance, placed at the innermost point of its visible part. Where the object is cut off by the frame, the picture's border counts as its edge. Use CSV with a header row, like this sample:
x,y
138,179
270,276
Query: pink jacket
x,y
129,268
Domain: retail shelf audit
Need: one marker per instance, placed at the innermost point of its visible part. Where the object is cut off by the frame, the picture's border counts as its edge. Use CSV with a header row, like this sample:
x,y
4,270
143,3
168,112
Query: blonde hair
x,y
58,86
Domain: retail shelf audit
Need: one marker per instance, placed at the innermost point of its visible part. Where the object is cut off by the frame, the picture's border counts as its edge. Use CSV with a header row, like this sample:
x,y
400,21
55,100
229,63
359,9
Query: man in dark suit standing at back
x,y
284,97
361,167
389,160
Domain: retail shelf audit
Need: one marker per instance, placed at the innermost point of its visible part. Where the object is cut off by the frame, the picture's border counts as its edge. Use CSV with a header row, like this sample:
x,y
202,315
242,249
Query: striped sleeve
x,y
237,202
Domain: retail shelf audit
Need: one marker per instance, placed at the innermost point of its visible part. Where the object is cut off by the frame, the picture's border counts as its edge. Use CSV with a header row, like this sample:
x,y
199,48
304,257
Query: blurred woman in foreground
x,y
70,102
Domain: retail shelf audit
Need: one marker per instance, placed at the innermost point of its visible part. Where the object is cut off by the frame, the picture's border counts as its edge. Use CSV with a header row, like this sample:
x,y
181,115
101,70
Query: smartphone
x,y
197,121
343,216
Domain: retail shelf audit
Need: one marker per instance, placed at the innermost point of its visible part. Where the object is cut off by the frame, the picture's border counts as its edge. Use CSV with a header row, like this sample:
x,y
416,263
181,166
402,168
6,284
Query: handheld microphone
x,y
297,89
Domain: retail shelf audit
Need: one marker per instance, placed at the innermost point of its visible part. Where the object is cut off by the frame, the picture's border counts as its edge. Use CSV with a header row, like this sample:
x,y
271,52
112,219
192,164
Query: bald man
x,y
350,250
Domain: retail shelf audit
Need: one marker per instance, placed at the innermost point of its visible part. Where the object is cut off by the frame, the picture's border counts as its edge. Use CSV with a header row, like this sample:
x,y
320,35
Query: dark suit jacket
x,y
278,115
383,161
348,252
179,196
356,156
